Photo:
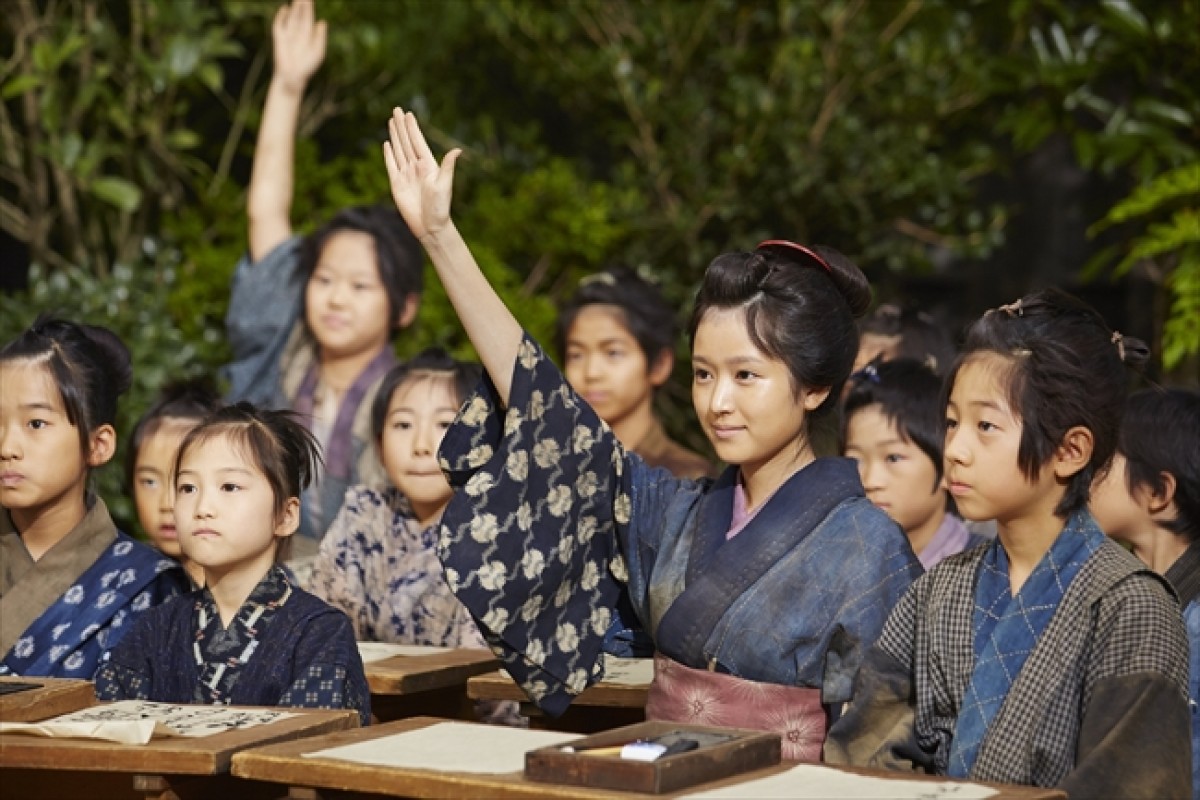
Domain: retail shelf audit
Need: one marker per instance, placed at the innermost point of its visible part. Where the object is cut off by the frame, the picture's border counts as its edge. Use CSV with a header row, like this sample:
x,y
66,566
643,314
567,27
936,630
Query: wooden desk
x,y
600,707
326,778
433,684
173,768
53,697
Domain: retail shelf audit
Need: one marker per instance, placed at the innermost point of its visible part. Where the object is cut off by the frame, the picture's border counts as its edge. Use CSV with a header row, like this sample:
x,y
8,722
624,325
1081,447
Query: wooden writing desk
x,y
54,696
433,684
327,778
600,707
168,769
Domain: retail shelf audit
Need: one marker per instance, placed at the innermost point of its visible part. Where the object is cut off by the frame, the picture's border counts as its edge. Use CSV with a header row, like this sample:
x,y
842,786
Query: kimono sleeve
x,y
878,728
264,306
338,570
128,674
327,671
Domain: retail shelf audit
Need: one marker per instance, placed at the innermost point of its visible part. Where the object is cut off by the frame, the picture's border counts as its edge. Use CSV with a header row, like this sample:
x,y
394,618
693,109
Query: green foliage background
x,y
655,134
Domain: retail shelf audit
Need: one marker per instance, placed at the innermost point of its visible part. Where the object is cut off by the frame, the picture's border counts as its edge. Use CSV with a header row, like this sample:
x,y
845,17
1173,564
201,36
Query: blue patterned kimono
x,y
554,516
67,610
283,647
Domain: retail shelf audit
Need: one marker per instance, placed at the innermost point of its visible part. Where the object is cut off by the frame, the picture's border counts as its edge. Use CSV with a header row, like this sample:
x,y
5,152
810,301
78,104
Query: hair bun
x,y
1134,352
850,281
114,356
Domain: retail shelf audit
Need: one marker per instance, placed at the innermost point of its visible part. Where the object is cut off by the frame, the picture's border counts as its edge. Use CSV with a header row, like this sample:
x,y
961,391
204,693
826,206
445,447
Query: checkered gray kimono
x,y
1099,709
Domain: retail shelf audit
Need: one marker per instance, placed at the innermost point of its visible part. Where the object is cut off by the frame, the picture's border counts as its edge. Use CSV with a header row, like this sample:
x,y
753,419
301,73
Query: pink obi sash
x,y
700,697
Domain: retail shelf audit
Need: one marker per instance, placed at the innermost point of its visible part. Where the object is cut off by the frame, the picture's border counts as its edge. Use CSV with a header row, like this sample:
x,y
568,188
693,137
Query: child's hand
x,y
421,188
299,43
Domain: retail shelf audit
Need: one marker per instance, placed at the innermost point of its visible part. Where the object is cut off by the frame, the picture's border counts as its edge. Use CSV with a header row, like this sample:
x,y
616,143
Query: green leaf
x,y
1128,17
183,56
20,85
117,191
182,139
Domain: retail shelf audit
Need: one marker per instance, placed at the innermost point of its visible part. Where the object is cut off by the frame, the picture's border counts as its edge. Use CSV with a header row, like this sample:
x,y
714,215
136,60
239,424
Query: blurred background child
x,y
895,331
311,320
150,462
71,584
892,427
1150,499
248,636
616,341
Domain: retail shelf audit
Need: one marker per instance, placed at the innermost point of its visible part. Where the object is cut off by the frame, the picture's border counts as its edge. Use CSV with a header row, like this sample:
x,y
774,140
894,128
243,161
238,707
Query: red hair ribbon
x,y
799,248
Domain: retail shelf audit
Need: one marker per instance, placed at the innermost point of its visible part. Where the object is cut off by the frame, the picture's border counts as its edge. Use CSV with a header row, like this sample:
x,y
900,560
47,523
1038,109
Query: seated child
x,y
1051,657
616,339
151,460
248,637
1150,499
71,584
311,319
892,426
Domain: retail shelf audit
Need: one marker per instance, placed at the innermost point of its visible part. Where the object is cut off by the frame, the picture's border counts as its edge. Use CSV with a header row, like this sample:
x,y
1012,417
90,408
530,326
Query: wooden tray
x,y
742,752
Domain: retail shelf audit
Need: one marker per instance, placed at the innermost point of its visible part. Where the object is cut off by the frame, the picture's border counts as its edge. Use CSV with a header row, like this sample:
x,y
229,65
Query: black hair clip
x,y
867,373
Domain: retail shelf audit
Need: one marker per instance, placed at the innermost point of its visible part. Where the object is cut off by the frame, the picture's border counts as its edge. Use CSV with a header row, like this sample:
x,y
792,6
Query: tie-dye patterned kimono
x,y
554,516
61,614
1078,682
283,647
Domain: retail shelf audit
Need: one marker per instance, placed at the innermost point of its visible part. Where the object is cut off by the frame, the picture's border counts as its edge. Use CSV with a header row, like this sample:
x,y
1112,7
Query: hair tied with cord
x,y
1119,341
809,254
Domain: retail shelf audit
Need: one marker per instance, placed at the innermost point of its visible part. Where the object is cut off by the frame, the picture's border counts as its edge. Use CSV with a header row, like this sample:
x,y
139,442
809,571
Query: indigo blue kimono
x,y
554,516
60,615
1184,575
283,647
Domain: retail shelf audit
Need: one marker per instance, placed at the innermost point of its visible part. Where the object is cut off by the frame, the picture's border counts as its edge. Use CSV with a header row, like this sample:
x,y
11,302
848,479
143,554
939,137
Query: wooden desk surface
x,y
499,685
206,755
53,697
284,764
400,675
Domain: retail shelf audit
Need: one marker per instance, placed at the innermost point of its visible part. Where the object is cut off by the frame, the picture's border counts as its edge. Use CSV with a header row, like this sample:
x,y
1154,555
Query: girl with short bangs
x,y
1051,657
71,584
762,589
248,636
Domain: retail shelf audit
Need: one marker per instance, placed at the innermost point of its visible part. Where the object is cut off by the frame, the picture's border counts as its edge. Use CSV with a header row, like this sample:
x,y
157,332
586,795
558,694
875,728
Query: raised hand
x,y
298,42
420,187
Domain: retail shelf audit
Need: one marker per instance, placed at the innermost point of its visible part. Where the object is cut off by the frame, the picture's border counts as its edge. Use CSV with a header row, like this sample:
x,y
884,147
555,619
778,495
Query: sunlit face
x,y
346,304
420,412
745,400
153,487
225,510
983,438
606,366
897,475
1119,512
41,465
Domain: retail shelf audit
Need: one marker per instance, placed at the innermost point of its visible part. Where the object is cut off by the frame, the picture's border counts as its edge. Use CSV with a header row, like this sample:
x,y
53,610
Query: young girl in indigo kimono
x,y
151,459
71,584
311,320
1051,657
761,589
892,428
1150,500
249,636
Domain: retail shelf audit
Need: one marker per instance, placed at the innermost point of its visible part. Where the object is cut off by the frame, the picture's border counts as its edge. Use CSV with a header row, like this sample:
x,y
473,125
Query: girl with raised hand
x,y
71,584
151,462
1051,657
311,320
761,590
248,636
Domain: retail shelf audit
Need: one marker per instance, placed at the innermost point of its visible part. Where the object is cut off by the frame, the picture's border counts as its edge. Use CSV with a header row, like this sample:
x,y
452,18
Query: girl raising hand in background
x,y
774,578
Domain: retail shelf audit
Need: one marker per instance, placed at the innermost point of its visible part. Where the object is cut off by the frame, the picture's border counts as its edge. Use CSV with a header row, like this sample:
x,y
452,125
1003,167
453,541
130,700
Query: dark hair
x,y
919,336
1064,369
432,361
397,251
90,365
645,313
275,441
1160,433
800,306
192,400
908,394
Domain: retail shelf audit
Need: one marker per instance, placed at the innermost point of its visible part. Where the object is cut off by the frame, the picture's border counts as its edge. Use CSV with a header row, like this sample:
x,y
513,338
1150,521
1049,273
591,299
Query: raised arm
x,y
298,43
422,190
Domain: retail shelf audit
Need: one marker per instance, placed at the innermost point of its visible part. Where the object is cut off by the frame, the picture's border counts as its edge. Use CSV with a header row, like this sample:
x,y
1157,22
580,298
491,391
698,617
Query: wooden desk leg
x,y
203,787
154,787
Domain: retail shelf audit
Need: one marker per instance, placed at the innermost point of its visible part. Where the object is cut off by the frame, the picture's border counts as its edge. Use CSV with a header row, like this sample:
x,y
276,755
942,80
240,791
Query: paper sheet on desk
x,y
624,671
809,781
378,651
138,721
450,747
